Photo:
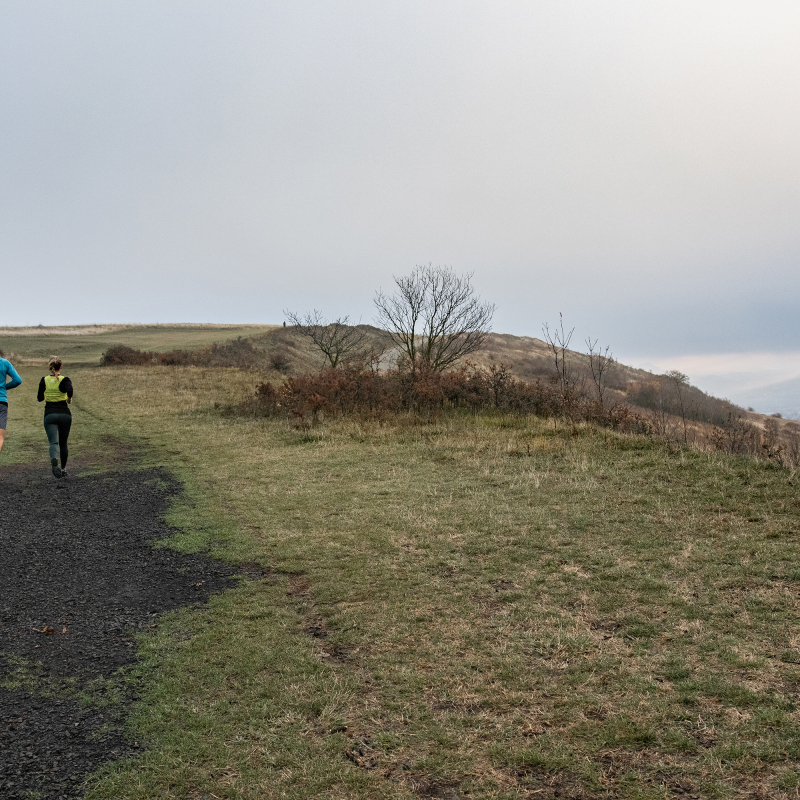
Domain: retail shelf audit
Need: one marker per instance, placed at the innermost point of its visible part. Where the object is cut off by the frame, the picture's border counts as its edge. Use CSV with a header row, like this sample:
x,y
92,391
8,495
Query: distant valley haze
x,y
769,382
631,165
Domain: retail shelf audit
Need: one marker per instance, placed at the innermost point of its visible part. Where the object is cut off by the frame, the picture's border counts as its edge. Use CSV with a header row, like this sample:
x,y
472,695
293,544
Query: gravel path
x,y
79,577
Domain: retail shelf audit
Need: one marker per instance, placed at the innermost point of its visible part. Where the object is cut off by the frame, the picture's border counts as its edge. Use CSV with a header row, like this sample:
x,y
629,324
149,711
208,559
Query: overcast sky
x,y
633,165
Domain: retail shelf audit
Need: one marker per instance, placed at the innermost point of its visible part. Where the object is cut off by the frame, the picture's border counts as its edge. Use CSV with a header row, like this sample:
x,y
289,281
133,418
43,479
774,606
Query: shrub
x,y
121,355
662,395
236,353
346,391
280,360
738,436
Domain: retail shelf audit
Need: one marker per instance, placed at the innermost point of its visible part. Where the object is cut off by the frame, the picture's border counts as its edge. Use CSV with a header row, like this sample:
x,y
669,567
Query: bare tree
x,y
680,382
558,342
434,318
337,340
601,361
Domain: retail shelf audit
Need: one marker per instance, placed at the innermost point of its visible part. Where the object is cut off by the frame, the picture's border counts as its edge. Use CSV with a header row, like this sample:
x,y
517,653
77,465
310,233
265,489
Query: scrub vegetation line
x,y
476,606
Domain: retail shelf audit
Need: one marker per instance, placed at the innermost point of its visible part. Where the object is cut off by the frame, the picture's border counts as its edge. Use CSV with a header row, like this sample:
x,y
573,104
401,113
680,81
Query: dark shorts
x,y
3,416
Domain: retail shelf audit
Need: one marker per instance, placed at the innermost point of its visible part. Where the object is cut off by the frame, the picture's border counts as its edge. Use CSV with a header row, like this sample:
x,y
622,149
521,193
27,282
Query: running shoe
x,y
56,468
63,472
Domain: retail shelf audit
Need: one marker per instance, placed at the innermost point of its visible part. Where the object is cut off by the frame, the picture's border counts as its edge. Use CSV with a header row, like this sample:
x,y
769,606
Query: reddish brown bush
x,y
340,392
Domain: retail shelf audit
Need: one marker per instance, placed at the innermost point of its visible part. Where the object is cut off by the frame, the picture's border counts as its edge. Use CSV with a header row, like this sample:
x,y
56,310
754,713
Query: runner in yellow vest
x,y
56,391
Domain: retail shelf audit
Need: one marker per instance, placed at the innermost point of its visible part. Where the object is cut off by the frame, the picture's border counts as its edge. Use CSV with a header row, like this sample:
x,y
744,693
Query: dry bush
x,y
773,443
238,352
120,355
736,436
790,437
664,396
347,391
280,360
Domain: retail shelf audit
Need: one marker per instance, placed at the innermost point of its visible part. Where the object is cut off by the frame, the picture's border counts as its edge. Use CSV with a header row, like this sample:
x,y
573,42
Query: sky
x,y
631,165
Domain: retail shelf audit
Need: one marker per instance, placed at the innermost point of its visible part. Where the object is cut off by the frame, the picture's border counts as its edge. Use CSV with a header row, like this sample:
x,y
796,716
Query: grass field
x,y
482,607
85,344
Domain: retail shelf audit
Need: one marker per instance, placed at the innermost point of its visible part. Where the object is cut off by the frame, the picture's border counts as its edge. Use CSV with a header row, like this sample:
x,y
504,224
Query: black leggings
x,y
57,427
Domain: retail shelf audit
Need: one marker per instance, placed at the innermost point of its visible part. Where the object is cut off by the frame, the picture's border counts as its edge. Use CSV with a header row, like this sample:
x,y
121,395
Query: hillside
x,y
273,348
530,359
528,356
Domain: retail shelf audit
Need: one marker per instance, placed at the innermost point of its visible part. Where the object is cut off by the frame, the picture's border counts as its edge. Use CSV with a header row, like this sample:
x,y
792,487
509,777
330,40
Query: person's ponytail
x,y
54,364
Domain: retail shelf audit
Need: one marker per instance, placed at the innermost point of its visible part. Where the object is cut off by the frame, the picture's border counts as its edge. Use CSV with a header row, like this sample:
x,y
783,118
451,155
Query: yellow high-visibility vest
x,y
52,394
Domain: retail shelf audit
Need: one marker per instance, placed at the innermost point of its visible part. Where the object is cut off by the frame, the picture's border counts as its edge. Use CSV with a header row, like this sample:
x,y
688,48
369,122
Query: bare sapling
x,y
680,382
337,340
601,363
558,342
434,318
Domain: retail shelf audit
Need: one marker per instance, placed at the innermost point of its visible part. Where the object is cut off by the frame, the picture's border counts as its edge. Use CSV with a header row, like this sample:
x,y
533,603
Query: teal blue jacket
x,y
6,372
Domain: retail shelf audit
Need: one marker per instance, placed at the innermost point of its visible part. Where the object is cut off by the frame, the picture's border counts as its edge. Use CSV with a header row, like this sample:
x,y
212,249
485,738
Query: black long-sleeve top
x,y
60,406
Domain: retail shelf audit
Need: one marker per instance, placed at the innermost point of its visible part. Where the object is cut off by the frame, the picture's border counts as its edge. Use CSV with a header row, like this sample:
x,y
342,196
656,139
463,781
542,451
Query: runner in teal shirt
x,y
6,371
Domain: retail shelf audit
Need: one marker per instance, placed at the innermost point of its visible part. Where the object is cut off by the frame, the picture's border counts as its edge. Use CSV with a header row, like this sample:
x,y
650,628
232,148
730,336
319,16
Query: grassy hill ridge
x,y
86,343
529,356
279,350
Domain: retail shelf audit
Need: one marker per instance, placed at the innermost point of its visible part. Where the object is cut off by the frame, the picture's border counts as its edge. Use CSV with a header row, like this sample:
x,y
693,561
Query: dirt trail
x,y
79,578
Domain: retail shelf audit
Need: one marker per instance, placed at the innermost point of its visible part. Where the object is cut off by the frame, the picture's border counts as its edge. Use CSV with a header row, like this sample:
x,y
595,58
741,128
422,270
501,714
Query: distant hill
x,y
280,349
85,344
670,409
530,359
